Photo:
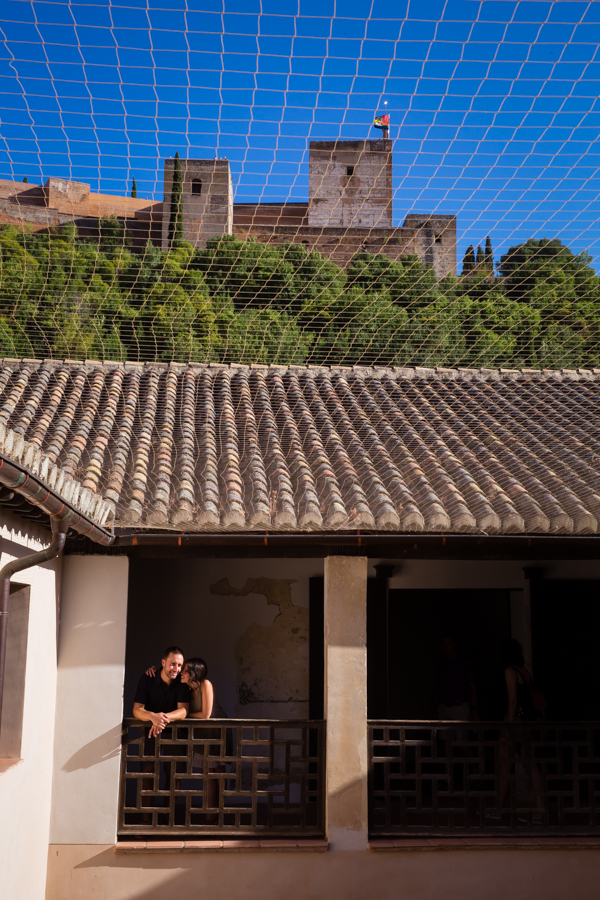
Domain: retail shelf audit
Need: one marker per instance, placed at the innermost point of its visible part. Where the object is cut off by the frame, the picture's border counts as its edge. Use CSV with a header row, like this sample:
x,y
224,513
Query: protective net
x,y
293,182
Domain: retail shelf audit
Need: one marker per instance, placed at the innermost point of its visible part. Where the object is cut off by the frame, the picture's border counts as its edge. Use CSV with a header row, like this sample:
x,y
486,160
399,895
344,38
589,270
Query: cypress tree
x,y
133,188
468,261
26,180
479,259
176,220
489,255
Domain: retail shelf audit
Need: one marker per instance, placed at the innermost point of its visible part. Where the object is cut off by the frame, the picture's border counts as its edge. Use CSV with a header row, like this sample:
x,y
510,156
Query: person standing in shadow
x,y
521,708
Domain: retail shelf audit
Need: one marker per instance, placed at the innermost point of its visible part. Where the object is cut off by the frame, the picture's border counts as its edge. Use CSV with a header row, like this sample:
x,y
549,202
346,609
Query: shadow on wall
x,y
102,748
271,661
351,875
348,874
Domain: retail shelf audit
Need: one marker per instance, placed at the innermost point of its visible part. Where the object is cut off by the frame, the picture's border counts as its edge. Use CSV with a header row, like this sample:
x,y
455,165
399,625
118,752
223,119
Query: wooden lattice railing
x,y
223,776
434,778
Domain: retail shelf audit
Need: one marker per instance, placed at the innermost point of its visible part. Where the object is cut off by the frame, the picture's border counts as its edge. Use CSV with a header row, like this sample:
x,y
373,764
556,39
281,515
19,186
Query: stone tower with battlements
x,y
350,184
207,200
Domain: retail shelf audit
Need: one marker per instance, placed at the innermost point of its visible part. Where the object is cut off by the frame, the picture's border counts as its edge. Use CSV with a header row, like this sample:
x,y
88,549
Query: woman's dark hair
x,y
197,670
511,653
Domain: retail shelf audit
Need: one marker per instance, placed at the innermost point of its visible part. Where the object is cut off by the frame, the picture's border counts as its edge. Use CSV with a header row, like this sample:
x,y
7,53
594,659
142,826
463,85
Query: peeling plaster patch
x,y
272,661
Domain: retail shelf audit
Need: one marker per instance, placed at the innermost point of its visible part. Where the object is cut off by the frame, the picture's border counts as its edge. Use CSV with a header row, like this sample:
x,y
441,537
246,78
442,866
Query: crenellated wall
x,y
349,209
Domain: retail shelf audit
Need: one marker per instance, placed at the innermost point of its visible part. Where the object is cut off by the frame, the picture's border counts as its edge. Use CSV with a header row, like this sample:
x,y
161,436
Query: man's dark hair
x,y
173,649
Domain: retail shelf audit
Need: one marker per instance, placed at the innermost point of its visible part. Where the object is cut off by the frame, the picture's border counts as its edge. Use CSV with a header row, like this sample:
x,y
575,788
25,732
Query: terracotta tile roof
x,y
208,448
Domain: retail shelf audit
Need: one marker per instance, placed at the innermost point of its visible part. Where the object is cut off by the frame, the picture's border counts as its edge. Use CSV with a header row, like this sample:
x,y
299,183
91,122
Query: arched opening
x,y
196,186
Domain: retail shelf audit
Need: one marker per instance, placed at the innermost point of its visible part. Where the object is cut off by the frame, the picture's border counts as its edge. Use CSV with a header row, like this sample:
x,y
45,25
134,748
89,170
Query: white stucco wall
x,y
89,706
25,789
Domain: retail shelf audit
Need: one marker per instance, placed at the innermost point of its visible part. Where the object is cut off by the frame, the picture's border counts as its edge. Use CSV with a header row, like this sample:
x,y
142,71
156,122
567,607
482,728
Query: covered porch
x,y
263,624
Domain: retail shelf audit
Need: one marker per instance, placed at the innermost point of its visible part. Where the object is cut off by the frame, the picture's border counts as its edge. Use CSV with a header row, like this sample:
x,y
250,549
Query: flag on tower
x,y
382,122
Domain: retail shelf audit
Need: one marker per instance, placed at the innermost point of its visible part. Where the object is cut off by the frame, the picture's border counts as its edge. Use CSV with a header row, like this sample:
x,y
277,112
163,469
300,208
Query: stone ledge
x,y
276,845
486,843
6,764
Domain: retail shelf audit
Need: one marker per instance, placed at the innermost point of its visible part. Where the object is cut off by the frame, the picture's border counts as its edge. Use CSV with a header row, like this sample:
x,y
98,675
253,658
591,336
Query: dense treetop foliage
x,y
64,296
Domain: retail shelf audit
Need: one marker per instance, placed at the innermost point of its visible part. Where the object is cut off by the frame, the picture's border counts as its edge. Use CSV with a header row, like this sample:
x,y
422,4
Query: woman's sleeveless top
x,y
196,706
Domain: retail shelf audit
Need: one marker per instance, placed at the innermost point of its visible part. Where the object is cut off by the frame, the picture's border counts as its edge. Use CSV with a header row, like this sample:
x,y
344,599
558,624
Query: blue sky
x,y
494,105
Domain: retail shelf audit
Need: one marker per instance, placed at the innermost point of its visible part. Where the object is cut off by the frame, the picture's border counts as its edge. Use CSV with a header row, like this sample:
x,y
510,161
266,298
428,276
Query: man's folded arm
x,y
140,712
179,713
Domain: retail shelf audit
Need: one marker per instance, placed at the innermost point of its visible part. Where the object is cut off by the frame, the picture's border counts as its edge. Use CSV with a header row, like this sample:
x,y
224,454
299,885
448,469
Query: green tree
x,y
112,235
254,335
172,315
133,188
26,180
468,265
479,259
544,263
407,281
499,332
313,277
360,327
248,272
176,217
489,255
435,333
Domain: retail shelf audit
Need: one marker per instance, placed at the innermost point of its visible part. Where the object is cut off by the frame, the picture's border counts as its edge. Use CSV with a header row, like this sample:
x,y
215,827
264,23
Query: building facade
x,y
319,531
349,208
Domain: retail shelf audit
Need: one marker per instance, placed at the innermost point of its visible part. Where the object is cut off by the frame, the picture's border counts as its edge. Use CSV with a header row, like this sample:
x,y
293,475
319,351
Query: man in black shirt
x,y
164,699
160,701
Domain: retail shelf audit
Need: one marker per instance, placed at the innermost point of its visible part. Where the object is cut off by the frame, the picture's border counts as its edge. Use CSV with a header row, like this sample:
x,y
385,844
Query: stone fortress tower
x,y
350,184
207,199
350,210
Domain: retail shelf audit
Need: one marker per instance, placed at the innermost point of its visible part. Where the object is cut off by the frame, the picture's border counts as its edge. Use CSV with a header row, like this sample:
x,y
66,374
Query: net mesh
x,y
204,182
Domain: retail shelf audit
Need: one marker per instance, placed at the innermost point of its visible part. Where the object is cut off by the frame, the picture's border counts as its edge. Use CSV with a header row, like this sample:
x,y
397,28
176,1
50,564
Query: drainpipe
x,y
59,536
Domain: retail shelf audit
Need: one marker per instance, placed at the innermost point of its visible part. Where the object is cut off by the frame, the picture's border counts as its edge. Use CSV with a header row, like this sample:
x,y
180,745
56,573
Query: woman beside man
x,y
203,704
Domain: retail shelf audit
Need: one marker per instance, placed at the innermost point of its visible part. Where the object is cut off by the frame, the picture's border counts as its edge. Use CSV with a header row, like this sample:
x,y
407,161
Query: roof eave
x,y
37,493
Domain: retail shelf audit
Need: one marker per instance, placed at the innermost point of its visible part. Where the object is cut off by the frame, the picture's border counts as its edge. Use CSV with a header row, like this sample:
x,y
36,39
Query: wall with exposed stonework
x,y
350,184
432,238
61,202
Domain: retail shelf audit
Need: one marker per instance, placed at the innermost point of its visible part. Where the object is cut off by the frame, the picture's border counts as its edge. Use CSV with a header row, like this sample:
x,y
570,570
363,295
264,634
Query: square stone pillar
x,y
346,701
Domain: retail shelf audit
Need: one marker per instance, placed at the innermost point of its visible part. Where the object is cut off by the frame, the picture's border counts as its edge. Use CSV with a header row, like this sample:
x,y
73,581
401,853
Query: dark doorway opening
x,y
565,624
404,632
196,186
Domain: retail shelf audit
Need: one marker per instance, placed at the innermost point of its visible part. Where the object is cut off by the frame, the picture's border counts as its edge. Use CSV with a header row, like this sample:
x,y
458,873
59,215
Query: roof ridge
x,y
444,373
